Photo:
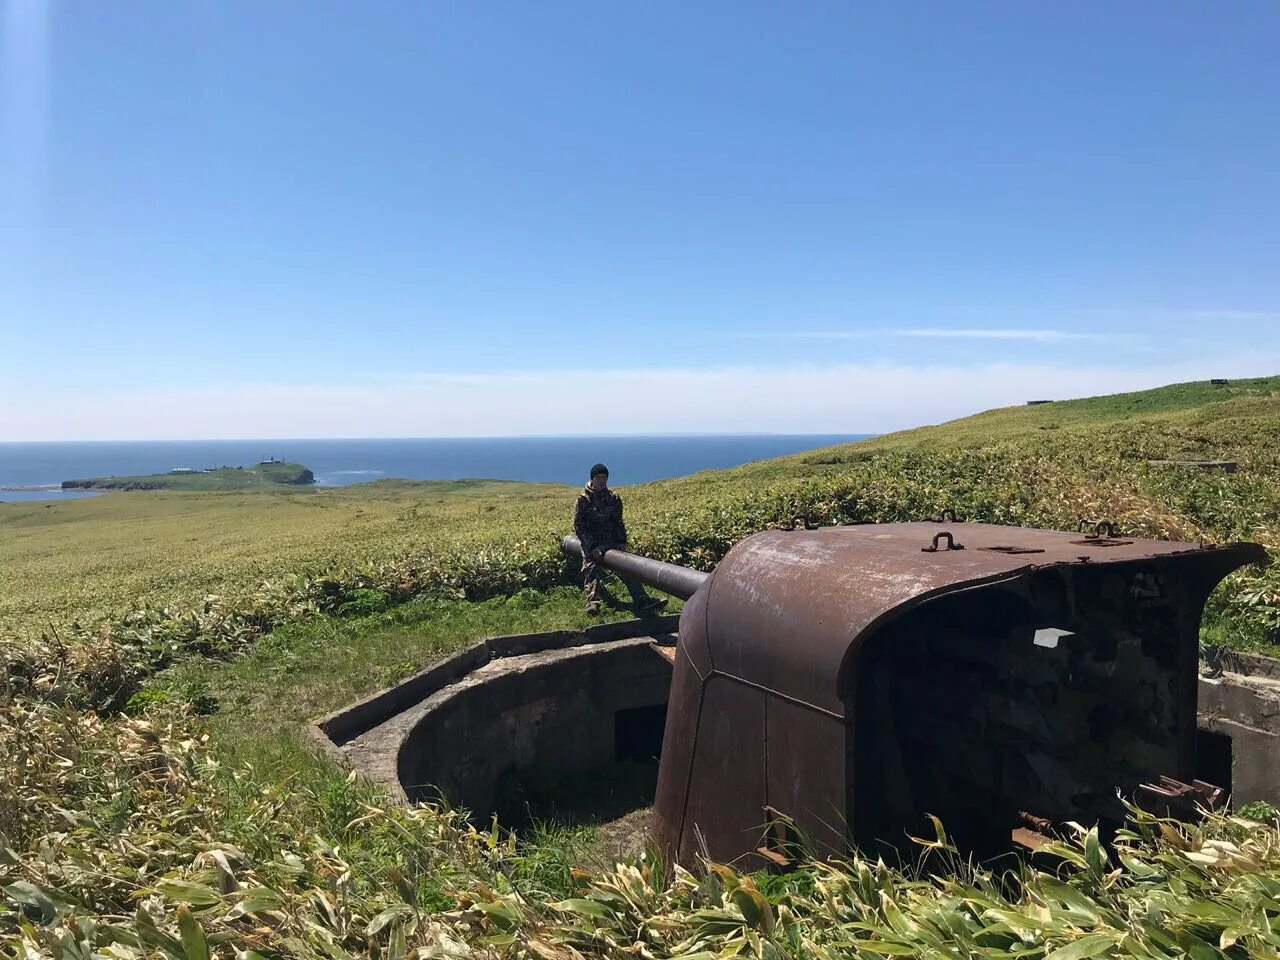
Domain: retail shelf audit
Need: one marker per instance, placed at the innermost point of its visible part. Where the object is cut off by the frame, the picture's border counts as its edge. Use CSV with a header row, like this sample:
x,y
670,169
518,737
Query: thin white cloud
x,y
783,398
1039,336
1238,316
951,333
1135,314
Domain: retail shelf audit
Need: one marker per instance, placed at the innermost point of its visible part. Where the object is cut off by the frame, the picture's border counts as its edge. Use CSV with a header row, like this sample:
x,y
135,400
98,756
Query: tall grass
x,y
127,839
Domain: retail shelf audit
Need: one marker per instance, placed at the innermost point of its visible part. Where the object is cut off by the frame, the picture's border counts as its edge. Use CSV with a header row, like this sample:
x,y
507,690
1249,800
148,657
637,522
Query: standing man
x,y
597,520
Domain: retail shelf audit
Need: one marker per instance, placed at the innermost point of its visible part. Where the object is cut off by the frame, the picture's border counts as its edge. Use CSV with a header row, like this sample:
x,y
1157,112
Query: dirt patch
x,y
628,836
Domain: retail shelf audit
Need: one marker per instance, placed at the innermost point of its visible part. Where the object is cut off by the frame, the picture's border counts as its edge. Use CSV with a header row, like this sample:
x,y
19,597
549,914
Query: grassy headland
x,y
261,476
170,834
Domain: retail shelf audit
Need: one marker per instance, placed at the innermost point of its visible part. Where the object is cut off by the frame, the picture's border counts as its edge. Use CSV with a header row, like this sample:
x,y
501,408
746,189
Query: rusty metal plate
x,y
785,608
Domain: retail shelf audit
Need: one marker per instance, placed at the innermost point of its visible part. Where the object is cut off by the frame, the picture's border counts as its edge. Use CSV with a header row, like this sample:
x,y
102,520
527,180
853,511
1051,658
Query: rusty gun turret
x,y
668,577
840,684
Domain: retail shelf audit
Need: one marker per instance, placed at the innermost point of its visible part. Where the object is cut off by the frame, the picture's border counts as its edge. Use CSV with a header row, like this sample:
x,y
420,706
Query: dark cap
x,y
599,468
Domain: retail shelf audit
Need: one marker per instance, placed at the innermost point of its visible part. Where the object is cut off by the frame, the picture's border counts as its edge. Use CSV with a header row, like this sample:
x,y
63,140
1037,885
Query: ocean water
x,y
38,468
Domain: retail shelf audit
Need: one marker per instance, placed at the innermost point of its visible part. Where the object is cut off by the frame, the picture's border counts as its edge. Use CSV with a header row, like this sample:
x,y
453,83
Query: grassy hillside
x,y
166,833
1044,465
262,476
1174,399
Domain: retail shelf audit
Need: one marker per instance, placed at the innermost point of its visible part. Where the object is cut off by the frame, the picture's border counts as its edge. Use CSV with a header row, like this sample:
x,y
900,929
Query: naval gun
x,y
835,687
671,578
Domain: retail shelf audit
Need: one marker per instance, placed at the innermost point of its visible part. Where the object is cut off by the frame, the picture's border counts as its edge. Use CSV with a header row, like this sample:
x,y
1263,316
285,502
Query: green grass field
x,y
198,824
89,559
289,677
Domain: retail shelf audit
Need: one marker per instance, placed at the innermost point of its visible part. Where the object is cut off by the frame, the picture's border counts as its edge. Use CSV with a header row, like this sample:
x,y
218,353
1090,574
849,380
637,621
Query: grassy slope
x,y
262,476
1044,465
148,808
1174,399
1198,416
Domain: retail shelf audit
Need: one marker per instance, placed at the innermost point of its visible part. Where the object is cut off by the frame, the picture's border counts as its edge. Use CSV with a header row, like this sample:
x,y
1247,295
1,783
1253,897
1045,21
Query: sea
x,y
34,471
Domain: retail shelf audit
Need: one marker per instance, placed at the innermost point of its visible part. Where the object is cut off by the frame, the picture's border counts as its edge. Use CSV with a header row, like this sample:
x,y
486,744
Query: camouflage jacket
x,y
597,519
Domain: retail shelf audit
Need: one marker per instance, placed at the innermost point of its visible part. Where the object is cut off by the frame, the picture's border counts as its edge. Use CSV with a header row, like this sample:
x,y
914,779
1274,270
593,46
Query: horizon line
x,y
526,436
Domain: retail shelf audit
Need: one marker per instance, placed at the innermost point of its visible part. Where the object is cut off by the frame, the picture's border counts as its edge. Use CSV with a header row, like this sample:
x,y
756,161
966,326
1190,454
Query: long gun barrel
x,y
678,581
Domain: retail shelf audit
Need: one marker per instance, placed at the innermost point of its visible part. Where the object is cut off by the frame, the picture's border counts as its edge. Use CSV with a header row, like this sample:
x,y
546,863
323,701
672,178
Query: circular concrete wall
x,y
569,711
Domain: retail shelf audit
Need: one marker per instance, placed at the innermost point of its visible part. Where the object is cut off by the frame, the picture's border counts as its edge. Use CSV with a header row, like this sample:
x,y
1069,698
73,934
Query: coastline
x,y
38,469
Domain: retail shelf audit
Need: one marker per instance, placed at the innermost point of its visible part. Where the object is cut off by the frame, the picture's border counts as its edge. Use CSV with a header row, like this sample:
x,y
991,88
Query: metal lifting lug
x,y
1107,529
797,523
937,538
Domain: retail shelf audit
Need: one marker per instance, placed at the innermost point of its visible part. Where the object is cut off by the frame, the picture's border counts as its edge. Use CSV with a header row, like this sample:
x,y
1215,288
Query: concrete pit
x,y
565,725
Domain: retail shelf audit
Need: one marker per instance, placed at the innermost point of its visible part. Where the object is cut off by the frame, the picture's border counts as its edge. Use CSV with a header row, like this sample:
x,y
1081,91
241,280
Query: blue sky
x,y
335,219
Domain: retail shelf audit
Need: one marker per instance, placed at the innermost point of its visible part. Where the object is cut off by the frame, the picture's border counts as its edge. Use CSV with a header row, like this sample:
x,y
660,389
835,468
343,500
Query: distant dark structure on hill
x,y
1226,466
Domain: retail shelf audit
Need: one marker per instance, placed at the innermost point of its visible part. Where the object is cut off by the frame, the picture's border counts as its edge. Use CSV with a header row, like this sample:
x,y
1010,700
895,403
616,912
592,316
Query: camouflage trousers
x,y
593,572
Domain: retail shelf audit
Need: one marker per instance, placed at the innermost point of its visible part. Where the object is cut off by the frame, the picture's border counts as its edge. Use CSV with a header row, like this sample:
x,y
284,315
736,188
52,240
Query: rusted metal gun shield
x,y
782,619
787,610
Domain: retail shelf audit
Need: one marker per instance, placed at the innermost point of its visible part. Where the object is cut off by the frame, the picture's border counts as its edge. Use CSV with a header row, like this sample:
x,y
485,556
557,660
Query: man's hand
x,y
597,554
